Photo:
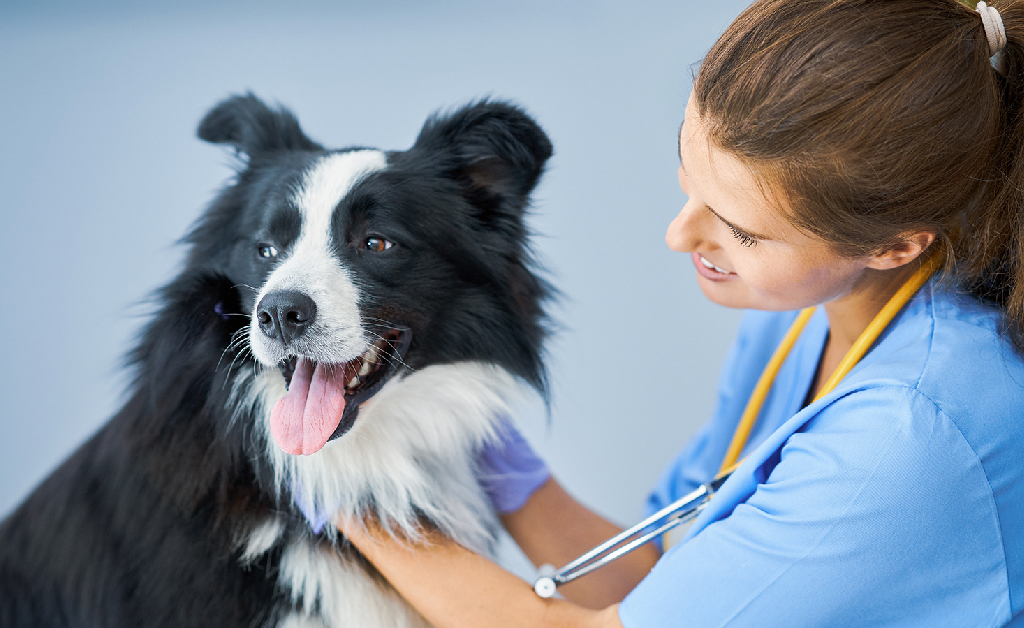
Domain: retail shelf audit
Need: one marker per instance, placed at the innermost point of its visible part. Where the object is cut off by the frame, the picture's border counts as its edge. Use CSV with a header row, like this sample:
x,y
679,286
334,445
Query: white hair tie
x,y
995,34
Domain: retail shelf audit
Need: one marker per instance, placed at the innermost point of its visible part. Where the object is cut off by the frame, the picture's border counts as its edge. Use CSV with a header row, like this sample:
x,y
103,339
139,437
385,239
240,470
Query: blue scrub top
x,y
896,500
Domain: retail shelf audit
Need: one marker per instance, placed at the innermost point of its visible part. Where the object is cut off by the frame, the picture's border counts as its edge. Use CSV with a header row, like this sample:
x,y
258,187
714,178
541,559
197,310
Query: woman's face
x,y
746,253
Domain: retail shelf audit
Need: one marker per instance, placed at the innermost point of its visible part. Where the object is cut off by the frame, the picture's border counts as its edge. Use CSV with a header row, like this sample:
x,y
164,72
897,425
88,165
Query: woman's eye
x,y
745,240
266,251
377,244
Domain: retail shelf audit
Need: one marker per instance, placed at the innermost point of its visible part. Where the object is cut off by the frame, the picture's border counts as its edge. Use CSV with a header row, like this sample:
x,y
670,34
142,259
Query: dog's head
x,y
358,263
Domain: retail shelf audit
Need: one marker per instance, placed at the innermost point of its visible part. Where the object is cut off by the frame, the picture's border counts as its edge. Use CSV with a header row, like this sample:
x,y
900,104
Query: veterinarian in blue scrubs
x,y
831,148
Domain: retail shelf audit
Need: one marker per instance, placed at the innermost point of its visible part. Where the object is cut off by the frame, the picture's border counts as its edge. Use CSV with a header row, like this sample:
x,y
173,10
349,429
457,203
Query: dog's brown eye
x,y
377,244
266,251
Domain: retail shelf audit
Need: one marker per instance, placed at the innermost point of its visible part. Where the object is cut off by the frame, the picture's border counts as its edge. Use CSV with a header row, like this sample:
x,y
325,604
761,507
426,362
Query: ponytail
x,y
991,252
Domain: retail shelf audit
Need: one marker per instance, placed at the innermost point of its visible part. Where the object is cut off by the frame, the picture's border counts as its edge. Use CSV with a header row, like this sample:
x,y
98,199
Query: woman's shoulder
x,y
951,349
944,360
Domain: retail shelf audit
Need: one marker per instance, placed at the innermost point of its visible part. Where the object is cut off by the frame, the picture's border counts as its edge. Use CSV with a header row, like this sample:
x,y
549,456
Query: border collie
x,y
348,330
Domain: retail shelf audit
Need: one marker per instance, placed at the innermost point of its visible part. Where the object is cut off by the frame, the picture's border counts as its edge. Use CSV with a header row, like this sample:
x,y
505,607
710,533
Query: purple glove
x,y
510,472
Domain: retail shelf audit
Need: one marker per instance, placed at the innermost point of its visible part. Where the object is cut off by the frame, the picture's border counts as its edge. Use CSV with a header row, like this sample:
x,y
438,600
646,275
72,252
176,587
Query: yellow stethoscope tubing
x,y
764,384
860,347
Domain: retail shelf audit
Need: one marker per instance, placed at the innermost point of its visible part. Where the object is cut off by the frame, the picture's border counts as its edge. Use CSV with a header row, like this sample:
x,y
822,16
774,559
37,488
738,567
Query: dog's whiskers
x,y
241,349
245,285
241,355
381,322
390,352
239,335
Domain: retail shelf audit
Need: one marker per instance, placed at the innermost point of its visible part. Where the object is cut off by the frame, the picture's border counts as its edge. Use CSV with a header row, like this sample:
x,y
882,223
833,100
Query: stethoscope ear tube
x,y
676,513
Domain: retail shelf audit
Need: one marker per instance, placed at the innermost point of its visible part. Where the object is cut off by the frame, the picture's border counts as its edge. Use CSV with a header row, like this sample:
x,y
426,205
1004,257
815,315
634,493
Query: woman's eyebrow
x,y
738,228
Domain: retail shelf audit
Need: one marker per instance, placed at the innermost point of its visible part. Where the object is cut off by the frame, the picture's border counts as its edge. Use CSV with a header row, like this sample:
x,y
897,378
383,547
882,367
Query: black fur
x,y
137,528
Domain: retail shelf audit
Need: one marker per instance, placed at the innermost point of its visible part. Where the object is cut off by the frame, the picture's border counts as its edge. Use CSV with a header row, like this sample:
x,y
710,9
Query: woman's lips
x,y
709,271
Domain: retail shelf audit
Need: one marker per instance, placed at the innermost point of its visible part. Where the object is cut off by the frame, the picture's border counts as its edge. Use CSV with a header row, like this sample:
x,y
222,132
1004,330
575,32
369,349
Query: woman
x,y
830,149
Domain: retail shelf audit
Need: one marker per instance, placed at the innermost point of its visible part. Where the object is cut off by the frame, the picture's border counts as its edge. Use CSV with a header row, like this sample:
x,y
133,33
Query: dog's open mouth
x,y
323,399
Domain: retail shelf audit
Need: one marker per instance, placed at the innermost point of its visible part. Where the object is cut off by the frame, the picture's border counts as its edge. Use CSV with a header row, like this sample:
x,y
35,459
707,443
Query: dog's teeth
x,y
364,369
352,383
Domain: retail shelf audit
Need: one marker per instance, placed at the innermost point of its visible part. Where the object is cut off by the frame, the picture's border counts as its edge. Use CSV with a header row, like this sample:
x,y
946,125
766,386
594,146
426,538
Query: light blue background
x,y
100,173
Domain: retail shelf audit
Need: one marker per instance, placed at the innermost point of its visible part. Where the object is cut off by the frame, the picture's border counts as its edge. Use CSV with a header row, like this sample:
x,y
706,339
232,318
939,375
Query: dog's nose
x,y
285,315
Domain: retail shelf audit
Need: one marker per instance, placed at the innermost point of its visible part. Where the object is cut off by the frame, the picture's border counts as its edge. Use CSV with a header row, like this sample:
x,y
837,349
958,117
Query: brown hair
x,y
874,118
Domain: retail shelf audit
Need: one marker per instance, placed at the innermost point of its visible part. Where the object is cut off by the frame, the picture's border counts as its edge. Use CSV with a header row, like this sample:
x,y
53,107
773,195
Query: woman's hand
x,y
453,587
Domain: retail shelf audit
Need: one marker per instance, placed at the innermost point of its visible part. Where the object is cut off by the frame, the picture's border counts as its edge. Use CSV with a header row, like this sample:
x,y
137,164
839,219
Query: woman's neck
x,y
849,315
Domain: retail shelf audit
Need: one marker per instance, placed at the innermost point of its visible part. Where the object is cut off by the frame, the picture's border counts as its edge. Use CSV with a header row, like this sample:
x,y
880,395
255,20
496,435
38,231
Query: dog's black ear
x,y
498,148
252,127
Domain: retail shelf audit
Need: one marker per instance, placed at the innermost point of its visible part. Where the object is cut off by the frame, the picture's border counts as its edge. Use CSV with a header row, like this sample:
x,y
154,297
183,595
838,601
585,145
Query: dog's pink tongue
x,y
304,419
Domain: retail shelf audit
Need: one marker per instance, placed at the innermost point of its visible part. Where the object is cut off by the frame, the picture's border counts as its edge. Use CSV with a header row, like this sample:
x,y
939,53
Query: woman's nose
x,y
683,234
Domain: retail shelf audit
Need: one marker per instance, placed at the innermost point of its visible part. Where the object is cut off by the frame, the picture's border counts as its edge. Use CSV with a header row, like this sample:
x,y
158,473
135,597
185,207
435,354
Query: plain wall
x,y
101,172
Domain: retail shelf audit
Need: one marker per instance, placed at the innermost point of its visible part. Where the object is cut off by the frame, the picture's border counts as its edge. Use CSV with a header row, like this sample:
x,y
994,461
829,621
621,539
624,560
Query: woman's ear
x,y
911,245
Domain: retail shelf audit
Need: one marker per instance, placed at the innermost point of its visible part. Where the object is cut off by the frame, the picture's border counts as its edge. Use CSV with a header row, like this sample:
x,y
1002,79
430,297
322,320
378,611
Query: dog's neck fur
x,y
401,463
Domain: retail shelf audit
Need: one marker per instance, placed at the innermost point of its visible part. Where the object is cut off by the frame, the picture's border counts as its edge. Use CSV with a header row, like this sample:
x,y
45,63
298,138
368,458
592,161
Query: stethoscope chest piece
x,y
545,585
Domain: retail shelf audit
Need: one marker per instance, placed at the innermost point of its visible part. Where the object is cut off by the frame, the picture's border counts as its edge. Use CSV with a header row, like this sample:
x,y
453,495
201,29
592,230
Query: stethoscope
x,y
688,507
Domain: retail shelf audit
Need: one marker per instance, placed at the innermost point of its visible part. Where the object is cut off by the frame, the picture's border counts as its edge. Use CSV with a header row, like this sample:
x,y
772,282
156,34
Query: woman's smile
x,y
711,272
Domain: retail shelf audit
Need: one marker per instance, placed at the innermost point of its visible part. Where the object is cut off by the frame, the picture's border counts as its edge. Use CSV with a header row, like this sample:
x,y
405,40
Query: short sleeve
x,y
877,512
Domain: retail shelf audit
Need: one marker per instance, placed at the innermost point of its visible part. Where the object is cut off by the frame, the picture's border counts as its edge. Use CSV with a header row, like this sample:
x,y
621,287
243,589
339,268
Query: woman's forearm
x,y
455,588
554,528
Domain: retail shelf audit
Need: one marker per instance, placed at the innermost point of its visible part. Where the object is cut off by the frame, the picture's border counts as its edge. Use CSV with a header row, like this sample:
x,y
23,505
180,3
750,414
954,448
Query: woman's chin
x,y
727,294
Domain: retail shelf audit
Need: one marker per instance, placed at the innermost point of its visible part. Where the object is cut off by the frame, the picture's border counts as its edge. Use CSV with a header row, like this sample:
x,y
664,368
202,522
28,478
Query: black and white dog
x,y
347,330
